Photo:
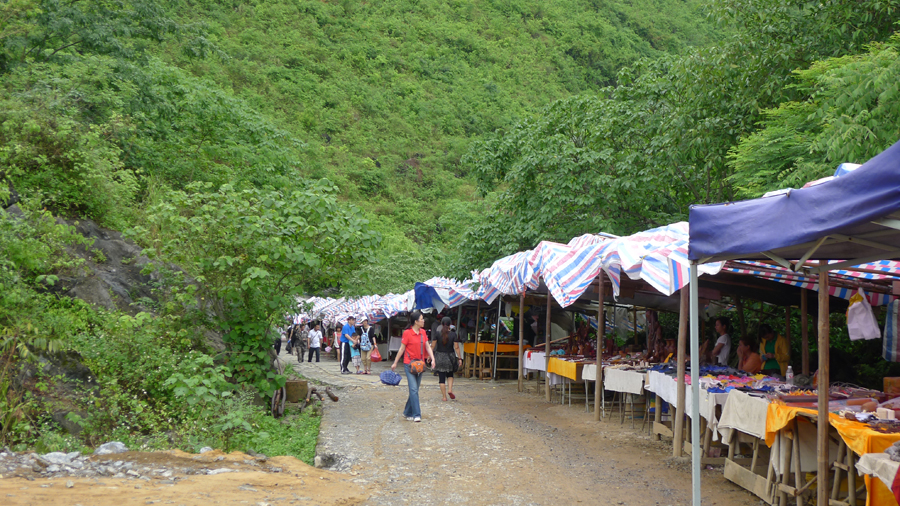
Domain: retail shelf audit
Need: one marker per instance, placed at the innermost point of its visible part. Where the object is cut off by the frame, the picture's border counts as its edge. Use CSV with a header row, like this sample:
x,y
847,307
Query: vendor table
x,y
666,387
482,354
395,344
858,439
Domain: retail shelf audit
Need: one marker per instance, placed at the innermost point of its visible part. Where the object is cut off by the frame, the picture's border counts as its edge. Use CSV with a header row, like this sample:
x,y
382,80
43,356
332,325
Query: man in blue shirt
x,y
348,330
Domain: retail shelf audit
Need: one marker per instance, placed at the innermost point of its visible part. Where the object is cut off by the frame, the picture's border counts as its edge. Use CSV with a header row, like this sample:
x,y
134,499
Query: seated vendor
x,y
775,351
748,360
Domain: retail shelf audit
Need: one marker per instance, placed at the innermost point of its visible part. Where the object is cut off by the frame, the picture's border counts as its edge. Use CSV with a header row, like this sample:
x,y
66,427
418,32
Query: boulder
x,y
110,448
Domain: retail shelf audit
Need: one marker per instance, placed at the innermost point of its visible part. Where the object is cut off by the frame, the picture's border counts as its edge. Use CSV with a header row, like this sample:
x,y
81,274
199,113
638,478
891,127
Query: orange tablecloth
x,y
571,370
857,436
488,347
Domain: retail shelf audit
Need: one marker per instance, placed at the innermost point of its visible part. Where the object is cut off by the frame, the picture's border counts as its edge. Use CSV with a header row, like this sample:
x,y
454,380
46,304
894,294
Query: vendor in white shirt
x,y
723,343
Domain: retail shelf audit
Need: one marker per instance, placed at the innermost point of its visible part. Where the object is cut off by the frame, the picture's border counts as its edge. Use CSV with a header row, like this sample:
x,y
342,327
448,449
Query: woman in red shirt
x,y
414,346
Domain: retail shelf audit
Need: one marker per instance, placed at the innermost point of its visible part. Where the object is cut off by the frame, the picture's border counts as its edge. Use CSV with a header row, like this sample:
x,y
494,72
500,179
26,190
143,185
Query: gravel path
x,y
494,445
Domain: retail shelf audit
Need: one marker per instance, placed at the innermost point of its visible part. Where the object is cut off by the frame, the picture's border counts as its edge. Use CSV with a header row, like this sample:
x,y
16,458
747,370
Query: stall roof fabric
x,y
854,217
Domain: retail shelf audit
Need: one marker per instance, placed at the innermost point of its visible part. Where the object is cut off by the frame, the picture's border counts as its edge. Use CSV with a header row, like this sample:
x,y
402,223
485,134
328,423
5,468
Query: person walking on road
x,y
314,342
446,357
348,330
366,344
414,346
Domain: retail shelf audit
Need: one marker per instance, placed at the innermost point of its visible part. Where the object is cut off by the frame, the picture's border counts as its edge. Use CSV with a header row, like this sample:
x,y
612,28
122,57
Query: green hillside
x,y
387,96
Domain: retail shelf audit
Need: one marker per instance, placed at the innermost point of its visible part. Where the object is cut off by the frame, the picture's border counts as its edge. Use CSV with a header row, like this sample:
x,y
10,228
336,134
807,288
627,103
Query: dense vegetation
x,y
719,122
269,148
279,147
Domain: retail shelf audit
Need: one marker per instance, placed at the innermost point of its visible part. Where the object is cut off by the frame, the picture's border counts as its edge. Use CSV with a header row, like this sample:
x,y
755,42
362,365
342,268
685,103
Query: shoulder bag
x,y
418,366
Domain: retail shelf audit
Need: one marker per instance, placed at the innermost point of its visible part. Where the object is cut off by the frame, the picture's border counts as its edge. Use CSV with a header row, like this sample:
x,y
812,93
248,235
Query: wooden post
x,y
389,338
521,336
496,340
678,446
787,328
476,367
804,331
601,330
824,370
462,346
740,308
547,345
634,317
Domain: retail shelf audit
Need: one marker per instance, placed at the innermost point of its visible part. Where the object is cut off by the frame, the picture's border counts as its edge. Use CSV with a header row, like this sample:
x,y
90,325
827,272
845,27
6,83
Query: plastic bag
x,y
891,348
376,356
861,323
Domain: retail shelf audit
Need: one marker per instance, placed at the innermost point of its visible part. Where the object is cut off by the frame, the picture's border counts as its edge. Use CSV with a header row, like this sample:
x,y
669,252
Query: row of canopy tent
x,y
658,256
851,220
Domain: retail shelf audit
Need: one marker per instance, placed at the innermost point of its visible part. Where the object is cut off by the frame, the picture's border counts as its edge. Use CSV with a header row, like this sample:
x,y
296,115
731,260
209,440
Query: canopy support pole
x,y
547,347
521,336
634,317
475,364
695,386
601,330
458,318
496,339
824,373
787,327
804,331
678,443
740,308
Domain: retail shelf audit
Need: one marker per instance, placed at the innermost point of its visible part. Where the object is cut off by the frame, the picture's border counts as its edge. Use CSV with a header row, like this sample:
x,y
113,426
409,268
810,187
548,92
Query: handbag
x,y
455,361
390,378
375,357
418,366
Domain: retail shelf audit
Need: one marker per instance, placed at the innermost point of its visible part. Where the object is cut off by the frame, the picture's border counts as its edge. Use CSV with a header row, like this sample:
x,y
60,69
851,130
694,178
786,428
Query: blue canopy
x,y
848,217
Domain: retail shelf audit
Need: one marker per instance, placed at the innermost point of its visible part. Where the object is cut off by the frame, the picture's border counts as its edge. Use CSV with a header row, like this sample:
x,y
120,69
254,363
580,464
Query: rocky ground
x,y
492,445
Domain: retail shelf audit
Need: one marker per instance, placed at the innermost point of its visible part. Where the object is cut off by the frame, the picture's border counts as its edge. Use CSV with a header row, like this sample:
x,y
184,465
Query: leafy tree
x,y
850,115
253,252
639,154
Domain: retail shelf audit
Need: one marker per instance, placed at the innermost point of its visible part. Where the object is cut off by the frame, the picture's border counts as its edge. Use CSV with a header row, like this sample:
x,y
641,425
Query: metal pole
x,y
823,422
496,338
521,336
601,328
695,386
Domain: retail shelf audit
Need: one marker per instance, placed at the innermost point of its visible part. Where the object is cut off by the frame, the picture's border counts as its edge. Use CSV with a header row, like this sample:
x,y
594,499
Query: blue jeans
x,y
412,404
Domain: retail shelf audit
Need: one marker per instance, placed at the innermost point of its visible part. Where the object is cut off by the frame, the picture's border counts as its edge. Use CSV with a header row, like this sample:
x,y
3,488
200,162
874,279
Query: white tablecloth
x,y
589,373
535,361
879,465
744,413
620,380
667,388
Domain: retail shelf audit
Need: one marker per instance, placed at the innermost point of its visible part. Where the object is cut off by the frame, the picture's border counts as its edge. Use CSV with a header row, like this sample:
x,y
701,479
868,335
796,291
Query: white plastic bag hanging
x,y
861,322
891,348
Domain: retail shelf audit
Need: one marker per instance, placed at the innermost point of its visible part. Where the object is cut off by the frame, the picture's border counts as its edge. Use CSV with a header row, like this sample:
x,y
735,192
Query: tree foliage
x,y
253,252
850,114
639,154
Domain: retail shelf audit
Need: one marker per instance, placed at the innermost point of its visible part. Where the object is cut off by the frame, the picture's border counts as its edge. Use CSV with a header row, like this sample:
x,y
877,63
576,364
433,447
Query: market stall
x,y
838,224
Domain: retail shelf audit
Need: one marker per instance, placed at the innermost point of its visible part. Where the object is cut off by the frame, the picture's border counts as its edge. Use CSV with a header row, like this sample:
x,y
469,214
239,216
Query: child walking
x,y
354,351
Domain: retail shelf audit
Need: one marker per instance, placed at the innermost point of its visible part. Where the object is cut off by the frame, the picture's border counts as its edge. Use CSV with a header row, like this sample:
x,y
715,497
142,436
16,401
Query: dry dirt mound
x,y
176,477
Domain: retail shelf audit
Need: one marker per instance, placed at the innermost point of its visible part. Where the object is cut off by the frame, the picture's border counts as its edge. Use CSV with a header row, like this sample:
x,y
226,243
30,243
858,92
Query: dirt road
x,y
491,446
494,445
